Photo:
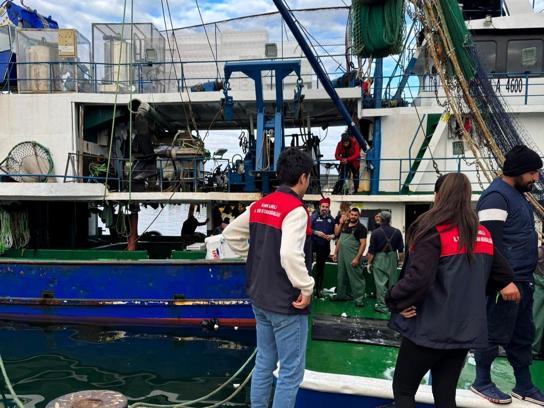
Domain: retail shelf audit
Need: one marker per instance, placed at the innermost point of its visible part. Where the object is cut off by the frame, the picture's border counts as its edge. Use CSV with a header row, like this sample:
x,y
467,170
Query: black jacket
x,y
448,289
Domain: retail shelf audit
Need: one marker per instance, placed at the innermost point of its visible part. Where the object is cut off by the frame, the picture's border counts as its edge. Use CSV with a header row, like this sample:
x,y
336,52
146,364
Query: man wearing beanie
x,y
504,211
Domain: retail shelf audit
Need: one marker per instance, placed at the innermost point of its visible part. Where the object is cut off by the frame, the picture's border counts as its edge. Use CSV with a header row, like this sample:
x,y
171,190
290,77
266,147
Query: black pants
x,y
343,173
510,325
414,361
321,256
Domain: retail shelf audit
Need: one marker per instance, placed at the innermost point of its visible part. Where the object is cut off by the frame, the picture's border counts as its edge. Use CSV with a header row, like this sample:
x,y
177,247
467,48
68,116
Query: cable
x,y
114,115
191,115
130,135
208,38
16,399
205,397
174,65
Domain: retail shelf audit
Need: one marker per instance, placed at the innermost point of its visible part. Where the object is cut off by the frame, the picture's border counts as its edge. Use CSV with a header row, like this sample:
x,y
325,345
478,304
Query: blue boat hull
x,y
140,293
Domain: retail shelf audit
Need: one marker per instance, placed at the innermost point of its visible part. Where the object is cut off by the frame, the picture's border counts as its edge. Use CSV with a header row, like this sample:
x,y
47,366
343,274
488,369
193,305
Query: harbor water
x,y
162,367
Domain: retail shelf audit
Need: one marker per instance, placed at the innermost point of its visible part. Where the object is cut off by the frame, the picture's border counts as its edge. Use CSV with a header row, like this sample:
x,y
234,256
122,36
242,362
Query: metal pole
x,y
318,69
376,150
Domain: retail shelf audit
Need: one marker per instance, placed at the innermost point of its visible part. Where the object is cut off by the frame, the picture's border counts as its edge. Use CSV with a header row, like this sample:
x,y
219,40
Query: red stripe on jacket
x,y
272,210
449,241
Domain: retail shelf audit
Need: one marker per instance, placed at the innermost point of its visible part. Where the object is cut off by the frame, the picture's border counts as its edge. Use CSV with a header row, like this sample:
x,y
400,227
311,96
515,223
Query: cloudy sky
x,y
79,14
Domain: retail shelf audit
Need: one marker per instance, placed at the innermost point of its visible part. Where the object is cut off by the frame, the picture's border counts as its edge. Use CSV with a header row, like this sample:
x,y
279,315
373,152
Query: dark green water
x,y
44,363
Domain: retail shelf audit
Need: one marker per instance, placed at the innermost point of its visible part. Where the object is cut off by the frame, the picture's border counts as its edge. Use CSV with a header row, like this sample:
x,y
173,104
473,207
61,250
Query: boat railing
x,y
146,77
394,173
516,88
194,175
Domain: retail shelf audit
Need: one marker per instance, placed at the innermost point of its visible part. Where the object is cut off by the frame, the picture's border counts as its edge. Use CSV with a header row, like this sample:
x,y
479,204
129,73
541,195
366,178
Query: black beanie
x,y
520,160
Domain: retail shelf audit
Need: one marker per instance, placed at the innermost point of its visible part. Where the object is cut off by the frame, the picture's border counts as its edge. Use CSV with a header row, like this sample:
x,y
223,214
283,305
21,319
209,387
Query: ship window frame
x,y
486,65
514,61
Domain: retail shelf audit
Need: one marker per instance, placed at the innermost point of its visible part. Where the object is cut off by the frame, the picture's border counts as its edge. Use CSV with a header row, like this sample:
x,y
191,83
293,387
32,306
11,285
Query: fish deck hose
x,y
111,399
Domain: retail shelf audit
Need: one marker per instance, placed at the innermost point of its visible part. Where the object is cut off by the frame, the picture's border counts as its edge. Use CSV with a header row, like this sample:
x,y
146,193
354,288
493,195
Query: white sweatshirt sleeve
x,y
237,234
293,237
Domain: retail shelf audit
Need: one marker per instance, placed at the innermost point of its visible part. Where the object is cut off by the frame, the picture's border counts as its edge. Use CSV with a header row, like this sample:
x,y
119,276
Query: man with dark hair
x,y
322,225
384,252
505,212
278,281
348,153
348,252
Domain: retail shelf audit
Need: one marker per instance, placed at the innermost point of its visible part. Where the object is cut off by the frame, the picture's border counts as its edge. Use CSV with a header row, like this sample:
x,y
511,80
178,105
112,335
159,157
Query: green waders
x,y
384,268
349,276
538,313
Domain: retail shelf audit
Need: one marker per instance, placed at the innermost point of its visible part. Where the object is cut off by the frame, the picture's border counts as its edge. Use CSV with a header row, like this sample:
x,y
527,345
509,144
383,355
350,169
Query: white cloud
x,y
79,15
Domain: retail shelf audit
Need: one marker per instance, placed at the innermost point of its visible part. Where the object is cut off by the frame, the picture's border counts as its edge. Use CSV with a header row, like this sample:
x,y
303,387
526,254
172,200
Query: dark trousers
x,y
344,172
511,326
321,256
414,361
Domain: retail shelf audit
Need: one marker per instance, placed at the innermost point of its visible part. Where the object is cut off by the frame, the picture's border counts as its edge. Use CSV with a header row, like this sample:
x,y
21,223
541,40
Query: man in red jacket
x,y
348,153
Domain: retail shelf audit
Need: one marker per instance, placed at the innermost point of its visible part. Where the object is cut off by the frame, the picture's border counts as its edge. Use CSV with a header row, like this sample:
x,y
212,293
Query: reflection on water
x,y
44,363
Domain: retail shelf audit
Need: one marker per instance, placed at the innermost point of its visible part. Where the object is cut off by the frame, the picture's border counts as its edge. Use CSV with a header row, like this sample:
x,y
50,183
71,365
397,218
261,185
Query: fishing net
x,y
377,28
499,130
28,162
460,38
14,229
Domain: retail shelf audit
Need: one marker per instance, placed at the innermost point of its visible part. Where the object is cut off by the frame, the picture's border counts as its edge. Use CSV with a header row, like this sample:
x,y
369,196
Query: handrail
x,y
414,139
391,178
522,87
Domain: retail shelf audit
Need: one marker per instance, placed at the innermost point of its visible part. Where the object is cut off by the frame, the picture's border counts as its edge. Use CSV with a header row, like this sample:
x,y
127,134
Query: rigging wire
x,y
114,115
310,37
175,70
130,134
191,114
208,38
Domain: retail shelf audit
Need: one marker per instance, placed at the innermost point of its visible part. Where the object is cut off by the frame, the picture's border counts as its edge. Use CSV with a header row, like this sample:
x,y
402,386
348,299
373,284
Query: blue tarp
x,y
7,67
28,18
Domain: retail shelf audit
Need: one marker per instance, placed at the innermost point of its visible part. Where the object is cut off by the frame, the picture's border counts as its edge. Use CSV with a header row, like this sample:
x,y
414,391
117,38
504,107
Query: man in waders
x,y
385,249
506,213
348,252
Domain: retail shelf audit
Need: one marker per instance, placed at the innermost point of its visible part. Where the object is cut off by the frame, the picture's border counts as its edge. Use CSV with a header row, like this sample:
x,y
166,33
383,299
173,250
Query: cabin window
x,y
487,53
524,56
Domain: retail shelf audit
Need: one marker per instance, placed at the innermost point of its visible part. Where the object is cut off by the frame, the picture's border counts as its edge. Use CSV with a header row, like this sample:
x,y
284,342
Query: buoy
x,y
90,399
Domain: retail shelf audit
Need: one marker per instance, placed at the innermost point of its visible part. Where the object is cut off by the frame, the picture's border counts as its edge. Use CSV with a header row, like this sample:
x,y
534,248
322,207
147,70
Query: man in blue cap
x,y
505,212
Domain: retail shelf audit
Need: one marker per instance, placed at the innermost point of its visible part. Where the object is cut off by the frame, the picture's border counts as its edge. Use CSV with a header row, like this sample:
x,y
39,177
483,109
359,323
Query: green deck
x,y
379,361
74,254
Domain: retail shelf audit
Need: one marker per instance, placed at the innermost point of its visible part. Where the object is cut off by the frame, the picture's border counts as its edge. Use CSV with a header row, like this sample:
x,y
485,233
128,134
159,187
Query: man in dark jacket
x,y
322,225
505,212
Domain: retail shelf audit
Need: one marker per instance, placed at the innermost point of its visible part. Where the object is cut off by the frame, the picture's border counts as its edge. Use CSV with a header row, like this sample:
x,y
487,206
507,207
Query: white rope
x,y
14,396
6,237
206,397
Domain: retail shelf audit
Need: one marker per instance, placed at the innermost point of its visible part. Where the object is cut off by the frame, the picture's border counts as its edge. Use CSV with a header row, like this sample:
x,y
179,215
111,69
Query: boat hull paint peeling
x,y
138,293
